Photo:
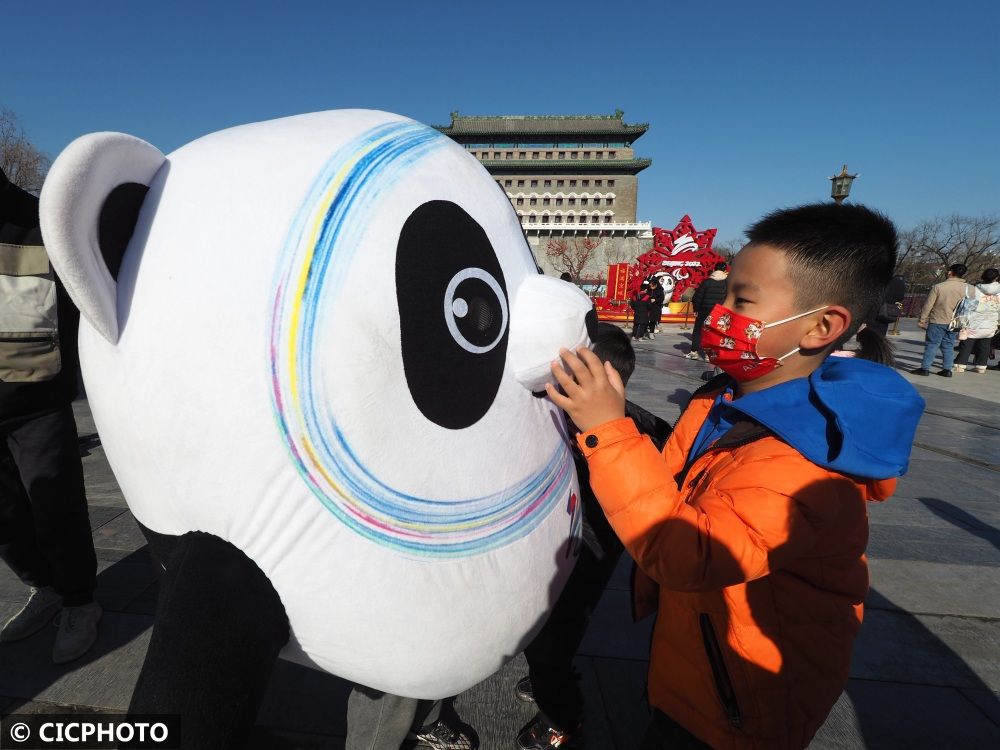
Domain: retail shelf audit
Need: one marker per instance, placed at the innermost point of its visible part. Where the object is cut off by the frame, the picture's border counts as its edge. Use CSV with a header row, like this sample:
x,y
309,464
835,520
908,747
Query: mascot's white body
x,y
256,373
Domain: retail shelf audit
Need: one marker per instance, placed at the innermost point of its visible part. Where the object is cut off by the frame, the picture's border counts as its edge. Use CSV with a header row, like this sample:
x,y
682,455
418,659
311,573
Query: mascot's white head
x,y
321,345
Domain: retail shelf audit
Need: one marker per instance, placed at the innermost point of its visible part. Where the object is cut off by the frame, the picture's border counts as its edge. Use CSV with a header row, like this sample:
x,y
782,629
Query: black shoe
x,y
523,691
945,373
441,736
920,371
537,735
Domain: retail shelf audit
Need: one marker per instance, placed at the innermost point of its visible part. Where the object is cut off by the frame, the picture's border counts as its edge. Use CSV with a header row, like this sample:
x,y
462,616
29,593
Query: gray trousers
x,y
380,721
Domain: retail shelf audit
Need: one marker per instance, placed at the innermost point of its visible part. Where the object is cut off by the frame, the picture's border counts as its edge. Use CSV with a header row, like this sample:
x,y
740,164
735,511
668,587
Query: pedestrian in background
x,y
982,326
45,533
639,302
711,292
936,318
891,308
656,295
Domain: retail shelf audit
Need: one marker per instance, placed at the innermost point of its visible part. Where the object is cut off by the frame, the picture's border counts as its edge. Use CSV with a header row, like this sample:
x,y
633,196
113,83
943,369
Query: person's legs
x,y
964,350
377,720
699,321
219,627
948,340
981,352
554,682
932,339
18,546
46,451
19,549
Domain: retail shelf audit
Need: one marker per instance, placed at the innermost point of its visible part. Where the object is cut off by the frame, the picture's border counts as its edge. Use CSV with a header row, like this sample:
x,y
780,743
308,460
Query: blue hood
x,y
851,415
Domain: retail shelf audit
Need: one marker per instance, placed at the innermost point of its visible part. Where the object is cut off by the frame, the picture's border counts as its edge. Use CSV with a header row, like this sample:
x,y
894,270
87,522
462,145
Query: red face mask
x,y
730,340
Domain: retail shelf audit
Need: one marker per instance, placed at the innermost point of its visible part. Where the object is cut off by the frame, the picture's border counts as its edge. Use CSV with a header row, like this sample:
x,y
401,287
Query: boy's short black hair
x,y
721,266
611,344
842,255
958,270
990,275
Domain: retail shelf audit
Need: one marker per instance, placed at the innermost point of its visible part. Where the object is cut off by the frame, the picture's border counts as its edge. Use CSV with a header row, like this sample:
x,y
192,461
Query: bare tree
x,y
619,253
728,248
23,164
934,244
574,256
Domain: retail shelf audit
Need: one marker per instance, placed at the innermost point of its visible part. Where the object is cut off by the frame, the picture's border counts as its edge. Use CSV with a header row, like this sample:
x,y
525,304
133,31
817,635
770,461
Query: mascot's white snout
x,y
548,314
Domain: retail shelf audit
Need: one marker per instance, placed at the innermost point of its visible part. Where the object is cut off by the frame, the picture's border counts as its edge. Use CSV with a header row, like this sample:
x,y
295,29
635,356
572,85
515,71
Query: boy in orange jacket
x,y
751,524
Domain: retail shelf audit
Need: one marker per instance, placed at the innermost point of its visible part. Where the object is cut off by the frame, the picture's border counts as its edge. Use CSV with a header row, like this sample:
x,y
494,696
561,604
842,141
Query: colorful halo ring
x,y
320,247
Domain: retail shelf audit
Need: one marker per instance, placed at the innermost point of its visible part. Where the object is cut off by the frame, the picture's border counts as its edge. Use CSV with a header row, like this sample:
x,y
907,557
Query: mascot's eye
x,y
475,310
453,314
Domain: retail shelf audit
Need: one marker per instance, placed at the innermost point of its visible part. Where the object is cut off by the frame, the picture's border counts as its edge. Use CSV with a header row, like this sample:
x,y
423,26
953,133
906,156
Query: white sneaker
x,y
77,632
959,368
41,607
980,369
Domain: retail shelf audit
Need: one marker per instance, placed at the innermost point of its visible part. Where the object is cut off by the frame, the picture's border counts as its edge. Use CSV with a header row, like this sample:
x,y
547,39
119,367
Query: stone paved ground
x,y
926,672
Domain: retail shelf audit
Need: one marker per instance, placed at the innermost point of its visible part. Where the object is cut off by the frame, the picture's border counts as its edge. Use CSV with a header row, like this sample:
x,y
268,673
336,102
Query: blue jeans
x,y
939,337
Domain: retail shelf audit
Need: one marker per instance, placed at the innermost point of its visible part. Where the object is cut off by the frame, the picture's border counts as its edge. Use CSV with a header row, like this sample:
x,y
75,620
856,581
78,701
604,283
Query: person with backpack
x,y
45,533
977,334
936,318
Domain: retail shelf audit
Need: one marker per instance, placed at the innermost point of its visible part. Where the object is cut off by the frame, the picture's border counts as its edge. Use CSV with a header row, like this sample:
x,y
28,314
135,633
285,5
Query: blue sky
x,y
751,105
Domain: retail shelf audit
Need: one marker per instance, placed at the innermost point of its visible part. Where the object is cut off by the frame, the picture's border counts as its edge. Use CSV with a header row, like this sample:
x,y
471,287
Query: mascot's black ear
x,y
90,205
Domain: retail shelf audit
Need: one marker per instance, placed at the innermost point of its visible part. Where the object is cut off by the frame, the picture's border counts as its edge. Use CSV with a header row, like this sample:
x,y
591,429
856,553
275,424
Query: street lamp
x,y
841,186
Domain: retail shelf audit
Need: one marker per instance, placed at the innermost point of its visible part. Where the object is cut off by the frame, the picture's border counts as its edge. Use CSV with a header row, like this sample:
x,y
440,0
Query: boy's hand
x,y
593,392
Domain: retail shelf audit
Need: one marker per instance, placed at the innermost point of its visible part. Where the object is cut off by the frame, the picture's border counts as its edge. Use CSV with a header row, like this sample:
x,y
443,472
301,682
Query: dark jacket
x,y
640,302
711,292
19,226
656,305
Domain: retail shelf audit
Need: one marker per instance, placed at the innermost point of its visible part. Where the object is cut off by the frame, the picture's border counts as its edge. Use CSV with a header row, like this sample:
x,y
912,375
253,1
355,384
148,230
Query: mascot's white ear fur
x,y
88,209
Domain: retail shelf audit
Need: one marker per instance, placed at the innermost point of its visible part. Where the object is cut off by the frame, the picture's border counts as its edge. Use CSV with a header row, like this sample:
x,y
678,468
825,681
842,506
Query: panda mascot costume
x,y
314,349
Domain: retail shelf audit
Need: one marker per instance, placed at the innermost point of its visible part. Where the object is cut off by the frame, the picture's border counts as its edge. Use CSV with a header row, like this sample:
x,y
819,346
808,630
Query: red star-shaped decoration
x,y
684,252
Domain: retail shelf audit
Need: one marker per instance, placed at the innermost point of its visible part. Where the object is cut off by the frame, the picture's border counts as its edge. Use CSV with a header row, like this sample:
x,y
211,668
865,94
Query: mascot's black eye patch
x,y
454,315
117,222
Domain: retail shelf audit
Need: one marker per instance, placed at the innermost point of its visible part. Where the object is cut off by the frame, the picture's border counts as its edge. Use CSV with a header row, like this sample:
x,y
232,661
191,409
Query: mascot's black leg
x,y
219,627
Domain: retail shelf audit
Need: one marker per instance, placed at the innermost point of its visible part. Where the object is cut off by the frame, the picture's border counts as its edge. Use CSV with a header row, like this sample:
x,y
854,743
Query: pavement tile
x,y
263,738
988,701
961,438
916,586
491,708
876,714
102,514
942,650
103,678
930,544
122,534
122,582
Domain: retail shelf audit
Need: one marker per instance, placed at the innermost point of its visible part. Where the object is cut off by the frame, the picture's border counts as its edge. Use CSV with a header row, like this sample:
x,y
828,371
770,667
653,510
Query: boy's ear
x,y
829,329
89,207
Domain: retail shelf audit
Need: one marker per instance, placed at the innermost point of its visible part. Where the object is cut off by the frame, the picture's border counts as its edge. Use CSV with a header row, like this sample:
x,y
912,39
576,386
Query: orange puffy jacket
x,y
759,561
